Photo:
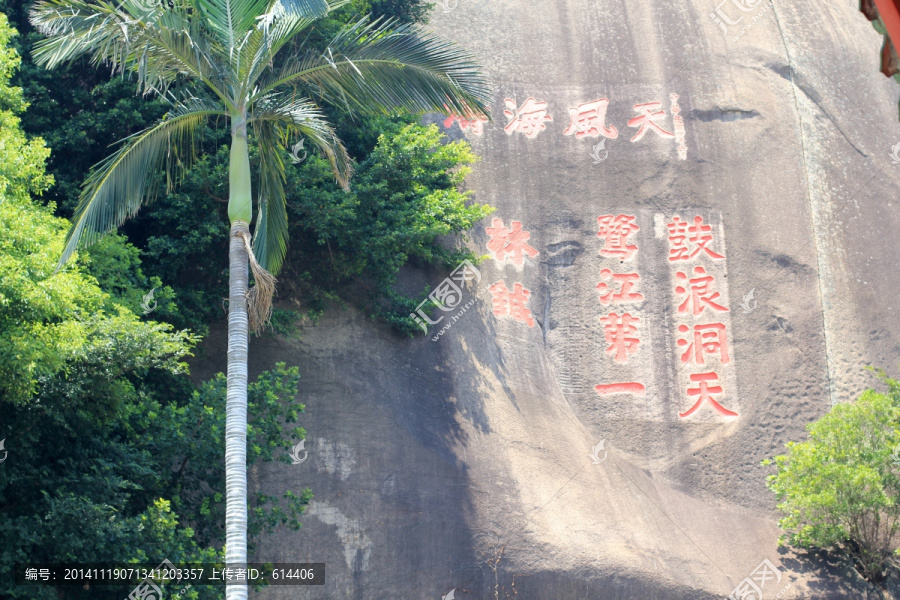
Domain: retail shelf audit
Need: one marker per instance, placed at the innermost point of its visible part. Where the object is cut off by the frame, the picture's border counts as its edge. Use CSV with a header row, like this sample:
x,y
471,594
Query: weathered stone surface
x,y
466,462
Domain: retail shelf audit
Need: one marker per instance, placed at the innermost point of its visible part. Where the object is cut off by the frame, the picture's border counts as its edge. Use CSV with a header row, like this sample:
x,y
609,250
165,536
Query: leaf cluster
x,y
405,200
840,488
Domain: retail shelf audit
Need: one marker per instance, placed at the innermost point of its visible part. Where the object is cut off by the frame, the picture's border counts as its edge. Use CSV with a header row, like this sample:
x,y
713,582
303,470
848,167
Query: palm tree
x,y
220,58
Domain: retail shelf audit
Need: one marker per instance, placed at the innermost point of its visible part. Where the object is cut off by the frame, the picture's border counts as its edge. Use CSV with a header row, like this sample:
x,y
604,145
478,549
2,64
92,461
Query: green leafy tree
x,y
840,489
403,202
111,454
69,360
405,197
181,237
82,111
220,59
21,161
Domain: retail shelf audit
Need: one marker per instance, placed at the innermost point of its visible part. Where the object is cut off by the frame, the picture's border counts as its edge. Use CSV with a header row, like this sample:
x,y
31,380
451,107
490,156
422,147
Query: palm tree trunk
x,y
239,206
236,410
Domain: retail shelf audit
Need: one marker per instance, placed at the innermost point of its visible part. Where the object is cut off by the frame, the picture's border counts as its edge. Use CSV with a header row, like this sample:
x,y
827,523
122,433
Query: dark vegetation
x,y
113,454
344,247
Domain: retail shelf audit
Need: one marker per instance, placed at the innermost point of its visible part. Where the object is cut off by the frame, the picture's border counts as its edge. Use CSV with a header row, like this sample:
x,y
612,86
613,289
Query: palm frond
x,y
236,20
75,27
275,29
271,235
308,9
156,44
118,185
230,18
379,66
302,116
181,45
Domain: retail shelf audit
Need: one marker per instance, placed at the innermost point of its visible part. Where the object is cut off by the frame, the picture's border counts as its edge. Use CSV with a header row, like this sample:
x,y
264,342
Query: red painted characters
x,y
705,390
589,120
708,338
511,243
620,331
528,119
620,335
703,337
511,303
617,287
687,241
614,231
698,292
647,121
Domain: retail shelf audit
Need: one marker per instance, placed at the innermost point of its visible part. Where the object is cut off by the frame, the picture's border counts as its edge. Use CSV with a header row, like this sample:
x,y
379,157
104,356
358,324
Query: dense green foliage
x,y
182,237
21,162
840,488
81,112
113,455
405,196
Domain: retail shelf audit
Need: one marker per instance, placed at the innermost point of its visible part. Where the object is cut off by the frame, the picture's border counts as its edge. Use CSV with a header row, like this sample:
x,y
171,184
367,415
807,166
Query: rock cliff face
x,y
696,215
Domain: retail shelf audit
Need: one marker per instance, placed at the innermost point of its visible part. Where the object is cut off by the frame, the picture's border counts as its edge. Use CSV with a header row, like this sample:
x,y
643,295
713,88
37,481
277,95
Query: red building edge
x,y
885,15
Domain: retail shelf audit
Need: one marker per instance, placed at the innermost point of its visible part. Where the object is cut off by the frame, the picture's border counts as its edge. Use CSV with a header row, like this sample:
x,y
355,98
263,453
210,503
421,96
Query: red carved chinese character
x,y
476,124
678,121
626,281
617,329
588,120
705,391
511,242
511,304
709,338
700,295
645,120
698,234
620,388
528,120
614,231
